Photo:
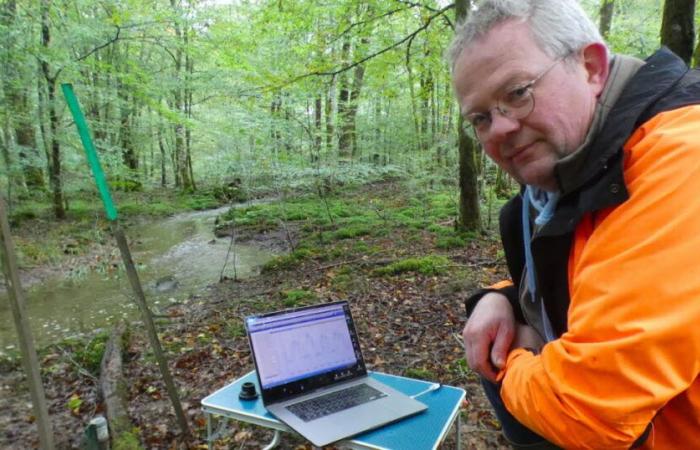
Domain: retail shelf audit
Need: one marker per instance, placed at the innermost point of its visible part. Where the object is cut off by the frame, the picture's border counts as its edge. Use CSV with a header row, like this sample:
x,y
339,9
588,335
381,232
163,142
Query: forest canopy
x,y
189,94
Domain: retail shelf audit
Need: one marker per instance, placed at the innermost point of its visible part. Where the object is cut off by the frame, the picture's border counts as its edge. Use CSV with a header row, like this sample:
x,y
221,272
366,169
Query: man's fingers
x,y
501,345
476,349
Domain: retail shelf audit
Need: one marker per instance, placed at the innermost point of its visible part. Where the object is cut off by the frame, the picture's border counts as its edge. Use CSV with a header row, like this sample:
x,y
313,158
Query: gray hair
x,y
559,27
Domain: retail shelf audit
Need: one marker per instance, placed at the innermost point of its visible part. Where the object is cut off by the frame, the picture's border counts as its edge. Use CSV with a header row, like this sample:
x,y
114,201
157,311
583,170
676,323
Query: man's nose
x,y
502,125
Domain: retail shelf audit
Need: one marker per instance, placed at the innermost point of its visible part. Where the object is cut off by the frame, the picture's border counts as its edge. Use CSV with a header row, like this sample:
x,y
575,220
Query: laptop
x,y
312,376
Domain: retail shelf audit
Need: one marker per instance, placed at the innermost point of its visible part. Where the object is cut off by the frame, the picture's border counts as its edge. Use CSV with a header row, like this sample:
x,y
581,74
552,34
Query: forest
x,y
338,117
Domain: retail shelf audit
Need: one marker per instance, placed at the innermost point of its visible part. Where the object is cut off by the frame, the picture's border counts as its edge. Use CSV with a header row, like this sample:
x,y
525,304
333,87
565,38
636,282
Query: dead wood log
x,y
113,385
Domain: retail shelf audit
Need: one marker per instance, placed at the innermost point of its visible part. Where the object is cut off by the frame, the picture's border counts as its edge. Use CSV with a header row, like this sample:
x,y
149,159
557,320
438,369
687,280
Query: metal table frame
x,y
423,431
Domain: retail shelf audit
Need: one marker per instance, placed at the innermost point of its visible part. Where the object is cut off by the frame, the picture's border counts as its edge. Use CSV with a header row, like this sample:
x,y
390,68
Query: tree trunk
x,y
17,99
55,174
163,176
343,104
113,385
347,107
469,214
330,128
180,159
426,87
607,9
412,94
189,72
677,27
351,126
318,125
129,154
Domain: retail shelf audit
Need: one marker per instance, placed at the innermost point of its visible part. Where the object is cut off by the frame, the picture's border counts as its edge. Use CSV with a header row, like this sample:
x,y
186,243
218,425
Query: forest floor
x,y
396,259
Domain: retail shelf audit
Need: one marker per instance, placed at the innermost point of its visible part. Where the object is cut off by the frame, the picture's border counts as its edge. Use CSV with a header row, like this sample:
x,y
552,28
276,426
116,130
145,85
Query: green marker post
x,y
131,272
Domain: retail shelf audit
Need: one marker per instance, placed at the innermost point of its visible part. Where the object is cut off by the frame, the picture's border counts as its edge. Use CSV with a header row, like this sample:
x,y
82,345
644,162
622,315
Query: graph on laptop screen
x,y
300,344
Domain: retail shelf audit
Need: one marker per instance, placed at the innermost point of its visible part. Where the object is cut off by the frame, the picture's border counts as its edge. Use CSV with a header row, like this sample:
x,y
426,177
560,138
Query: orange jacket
x,y
631,353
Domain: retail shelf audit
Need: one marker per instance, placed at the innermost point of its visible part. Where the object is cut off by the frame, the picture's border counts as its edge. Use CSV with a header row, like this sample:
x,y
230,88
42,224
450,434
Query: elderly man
x,y
595,340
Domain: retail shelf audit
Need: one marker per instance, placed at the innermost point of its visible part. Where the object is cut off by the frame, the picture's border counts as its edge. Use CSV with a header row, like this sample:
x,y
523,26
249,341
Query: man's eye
x,y
517,95
478,120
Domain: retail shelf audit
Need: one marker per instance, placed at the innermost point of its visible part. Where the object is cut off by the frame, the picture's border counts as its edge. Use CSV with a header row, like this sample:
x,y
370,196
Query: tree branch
x,y
367,58
100,47
371,19
418,5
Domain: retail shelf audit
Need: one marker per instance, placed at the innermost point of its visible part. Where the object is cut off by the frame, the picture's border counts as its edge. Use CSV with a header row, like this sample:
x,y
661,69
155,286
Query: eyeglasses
x,y
516,103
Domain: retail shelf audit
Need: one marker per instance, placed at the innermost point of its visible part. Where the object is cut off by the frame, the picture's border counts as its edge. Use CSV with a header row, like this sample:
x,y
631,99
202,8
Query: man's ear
x,y
595,61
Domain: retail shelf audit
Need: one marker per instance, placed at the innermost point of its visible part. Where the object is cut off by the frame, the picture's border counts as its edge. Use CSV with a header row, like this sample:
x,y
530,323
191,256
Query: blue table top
x,y
422,431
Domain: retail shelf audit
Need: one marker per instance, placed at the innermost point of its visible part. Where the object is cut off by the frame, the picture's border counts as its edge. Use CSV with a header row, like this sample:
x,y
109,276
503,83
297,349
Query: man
x,y
595,343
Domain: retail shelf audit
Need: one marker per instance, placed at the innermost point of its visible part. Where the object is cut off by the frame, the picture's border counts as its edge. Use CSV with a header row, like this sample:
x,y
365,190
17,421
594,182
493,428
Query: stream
x,y
176,257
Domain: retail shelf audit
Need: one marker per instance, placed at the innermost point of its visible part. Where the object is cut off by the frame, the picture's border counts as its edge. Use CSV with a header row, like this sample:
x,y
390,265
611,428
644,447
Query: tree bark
x,y
318,125
180,157
469,213
17,99
55,148
330,109
344,105
607,9
678,27
161,146
113,385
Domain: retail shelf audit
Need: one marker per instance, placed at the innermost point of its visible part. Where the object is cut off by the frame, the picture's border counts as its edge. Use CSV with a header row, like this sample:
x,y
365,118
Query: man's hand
x,y
488,335
527,337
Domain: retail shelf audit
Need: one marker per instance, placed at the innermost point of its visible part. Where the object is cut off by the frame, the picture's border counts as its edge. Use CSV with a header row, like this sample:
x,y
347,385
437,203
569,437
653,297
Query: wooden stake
x,y
111,213
150,327
26,340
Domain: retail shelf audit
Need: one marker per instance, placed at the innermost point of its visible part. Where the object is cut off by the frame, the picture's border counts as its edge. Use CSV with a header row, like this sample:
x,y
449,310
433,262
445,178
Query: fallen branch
x,y
113,385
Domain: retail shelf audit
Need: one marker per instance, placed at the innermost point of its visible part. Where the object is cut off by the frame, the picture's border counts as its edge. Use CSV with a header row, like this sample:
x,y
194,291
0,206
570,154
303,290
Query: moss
x,y
428,265
297,297
420,373
450,242
352,231
127,440
87,354
285,262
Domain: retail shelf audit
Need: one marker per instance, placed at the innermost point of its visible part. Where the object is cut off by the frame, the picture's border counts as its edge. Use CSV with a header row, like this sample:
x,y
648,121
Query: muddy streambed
x,y
176,258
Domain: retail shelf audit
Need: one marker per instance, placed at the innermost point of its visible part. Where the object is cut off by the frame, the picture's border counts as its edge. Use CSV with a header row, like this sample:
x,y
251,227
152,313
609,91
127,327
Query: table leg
x,y
220,429
274,442
208,431
458,430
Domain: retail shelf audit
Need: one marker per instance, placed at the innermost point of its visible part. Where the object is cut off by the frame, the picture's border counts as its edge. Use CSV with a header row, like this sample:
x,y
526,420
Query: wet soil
x,y
408,324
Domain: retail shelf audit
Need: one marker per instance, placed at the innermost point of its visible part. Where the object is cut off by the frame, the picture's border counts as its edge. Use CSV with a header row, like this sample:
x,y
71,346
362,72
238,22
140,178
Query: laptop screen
x,y
298,350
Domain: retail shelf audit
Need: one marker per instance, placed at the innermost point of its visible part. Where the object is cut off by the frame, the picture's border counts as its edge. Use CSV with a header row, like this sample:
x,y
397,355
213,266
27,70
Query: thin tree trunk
x,y
343,105
678,27
318,124
469,214
55,174
412,94
330,110
163,175
17,99
607,9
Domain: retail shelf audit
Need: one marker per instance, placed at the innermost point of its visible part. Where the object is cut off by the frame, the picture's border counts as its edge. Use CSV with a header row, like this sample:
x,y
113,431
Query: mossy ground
x,y
391,252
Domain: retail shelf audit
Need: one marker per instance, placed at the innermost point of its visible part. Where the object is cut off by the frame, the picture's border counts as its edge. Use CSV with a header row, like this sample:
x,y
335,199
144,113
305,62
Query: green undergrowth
x,y
420,373
352,226
297,297
42,240
427,265
86,353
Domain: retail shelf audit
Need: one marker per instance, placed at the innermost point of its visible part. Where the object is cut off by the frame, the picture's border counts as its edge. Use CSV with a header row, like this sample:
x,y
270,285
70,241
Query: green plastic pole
x,y
84,133
131,272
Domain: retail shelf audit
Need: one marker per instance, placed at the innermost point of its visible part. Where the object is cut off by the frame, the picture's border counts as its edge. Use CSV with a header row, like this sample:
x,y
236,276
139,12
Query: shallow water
x,y
181,249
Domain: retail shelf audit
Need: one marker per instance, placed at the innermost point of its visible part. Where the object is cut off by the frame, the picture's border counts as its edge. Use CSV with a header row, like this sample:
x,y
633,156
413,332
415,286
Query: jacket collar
x,y
600,183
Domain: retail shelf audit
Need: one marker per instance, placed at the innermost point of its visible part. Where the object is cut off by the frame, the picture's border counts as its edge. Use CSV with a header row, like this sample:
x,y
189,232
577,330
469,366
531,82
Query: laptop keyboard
x,y
326,404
